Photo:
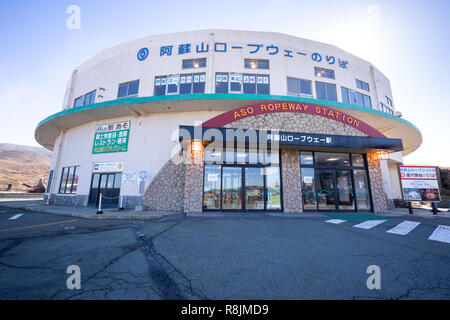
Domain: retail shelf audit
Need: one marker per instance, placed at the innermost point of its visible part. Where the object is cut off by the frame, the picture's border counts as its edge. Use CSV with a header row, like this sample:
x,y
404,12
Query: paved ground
x,y
237,256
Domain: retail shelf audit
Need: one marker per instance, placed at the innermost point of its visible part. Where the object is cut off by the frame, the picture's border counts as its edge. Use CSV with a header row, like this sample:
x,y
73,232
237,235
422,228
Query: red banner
x,y
297,107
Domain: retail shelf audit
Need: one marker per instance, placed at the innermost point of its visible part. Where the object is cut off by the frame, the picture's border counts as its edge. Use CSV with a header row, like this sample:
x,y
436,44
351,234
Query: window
x,y
79,101
324,73
256,64
299,86
128,89
194,63
362,85
88,98
389,102
386,109
69,180
180,84
353,97
326,91
242,83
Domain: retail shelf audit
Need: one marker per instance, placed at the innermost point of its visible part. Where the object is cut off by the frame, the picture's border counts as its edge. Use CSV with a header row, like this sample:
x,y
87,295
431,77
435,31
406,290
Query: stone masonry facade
x,y
166,191
179,187
379,197
291,179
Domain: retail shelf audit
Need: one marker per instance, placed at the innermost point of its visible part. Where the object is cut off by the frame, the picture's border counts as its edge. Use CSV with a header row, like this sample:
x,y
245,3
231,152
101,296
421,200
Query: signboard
x,y
289,138
143,174
419,183
111,137
107,167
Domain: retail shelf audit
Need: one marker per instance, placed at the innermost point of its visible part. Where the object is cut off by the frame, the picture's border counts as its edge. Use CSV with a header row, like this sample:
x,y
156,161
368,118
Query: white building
x,y
331,114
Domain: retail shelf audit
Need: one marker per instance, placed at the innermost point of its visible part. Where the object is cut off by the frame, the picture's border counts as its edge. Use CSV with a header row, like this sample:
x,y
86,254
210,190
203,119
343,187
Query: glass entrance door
x,y
335,190
344,188
254,188
326,190
232,188
107,184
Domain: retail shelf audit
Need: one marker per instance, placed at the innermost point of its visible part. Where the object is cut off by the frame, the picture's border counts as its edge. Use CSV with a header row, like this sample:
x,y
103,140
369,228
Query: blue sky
x,y
409,43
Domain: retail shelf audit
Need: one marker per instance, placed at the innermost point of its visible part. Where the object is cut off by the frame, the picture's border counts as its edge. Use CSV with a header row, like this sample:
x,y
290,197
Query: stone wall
x,y
379,197
166,191
291,181
68,200
193,192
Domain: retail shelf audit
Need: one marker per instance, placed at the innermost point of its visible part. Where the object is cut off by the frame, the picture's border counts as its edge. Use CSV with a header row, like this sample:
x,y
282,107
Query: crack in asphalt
x,y
163,278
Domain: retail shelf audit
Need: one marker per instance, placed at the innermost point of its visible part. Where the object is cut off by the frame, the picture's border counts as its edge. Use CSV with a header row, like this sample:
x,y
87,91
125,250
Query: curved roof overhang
x,y
48,129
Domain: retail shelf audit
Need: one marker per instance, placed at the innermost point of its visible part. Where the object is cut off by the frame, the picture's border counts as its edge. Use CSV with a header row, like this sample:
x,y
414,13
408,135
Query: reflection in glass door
x,y
254,188
325,190
361,189
345,190
232,188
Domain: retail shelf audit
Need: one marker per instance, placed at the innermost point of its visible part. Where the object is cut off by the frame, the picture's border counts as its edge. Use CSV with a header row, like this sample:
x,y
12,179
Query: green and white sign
x,y
111,137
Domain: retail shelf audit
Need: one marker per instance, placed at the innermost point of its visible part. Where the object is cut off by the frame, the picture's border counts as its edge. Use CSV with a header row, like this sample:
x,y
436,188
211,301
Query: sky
x,y
405,39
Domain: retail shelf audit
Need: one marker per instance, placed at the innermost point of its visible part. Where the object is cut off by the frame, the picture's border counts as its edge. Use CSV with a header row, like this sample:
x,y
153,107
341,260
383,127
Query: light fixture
x,y
379,155
196,148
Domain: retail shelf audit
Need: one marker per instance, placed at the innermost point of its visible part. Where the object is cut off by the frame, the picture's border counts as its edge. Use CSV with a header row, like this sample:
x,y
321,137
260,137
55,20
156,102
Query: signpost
x,y
420,183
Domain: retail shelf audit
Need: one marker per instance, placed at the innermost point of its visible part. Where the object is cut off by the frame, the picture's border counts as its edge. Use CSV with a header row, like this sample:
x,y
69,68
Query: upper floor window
x,y
388,101
242,83
128,89
194,63
69,180
353,97
386,109
88,98
362,85
324,73
180,84
326,91
299,86
256,64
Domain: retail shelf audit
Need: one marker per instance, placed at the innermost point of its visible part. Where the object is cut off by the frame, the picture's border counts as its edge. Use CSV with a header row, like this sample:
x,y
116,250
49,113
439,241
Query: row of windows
x,y
88,98
242,83
326,91
69,180
180,84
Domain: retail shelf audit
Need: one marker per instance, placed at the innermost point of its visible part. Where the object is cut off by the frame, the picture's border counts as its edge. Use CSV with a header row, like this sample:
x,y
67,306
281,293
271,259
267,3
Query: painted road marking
x,y
38,225
441,234
16,216
369,224
404,228
335,221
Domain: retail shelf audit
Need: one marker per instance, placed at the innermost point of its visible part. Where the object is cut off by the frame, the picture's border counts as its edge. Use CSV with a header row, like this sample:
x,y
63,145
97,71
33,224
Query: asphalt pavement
x,y
236,256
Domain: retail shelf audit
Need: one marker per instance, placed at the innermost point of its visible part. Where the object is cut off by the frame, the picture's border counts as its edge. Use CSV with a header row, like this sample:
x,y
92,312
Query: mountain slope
x,y
23,164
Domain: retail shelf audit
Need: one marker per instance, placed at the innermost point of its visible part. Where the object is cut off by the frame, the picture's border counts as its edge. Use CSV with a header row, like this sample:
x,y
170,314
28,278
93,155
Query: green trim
x,y
222,96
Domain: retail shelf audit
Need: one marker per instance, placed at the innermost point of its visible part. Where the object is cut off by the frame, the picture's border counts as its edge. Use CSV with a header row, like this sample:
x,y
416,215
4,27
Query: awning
x,y
290,140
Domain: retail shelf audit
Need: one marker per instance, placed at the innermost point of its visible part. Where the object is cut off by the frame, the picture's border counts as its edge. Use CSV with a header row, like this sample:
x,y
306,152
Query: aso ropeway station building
x,y
225,120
